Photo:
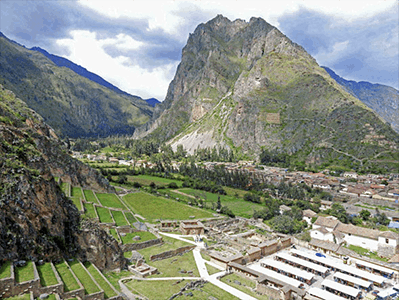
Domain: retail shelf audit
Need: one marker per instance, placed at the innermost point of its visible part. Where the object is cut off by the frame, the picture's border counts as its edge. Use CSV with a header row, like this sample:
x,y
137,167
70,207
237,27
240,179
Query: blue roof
x,y
393,225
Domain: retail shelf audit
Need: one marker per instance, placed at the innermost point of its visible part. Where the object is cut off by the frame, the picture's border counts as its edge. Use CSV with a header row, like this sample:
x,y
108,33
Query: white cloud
x,y
86,50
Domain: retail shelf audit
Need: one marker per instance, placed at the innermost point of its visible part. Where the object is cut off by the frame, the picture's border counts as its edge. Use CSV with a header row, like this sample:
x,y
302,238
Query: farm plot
x,y
70,283
47,276
110,200
119,218
104,215
89,195
152,208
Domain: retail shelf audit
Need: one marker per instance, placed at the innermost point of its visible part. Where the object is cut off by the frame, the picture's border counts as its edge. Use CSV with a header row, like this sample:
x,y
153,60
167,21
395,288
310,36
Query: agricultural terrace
x,y
108,290
168,244
130,217
5,270
24,273
144,236
70,283
119,218
20,297
152,290
177,266
76,192
152,208
90,211
110,200
89,195
89,285
113,232
159,181
104,215
47,276
238,206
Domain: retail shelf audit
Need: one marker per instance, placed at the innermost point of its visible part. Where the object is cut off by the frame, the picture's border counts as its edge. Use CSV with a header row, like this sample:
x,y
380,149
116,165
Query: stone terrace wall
x,y
53,289
137,246
171,253
7,284
118,296
80,292
28,286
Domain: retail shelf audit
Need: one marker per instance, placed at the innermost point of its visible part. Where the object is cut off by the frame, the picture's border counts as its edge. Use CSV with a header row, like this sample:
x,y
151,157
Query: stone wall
x,y
137,246
53,289
117,297
7,284
171,253
96,296
271,291
28,286
387,250
80,292
124,229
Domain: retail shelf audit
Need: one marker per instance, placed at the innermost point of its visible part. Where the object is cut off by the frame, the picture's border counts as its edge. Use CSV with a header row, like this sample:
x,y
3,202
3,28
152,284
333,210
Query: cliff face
x,y
37,221
381,98
244,86
73,105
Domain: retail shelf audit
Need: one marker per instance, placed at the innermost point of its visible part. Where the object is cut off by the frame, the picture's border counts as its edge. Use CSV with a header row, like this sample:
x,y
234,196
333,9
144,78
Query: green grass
x,y
112,231
70,283
130,217
212,270
24,273
210,290
5,270
51,297
80,272
76,192
113,278
144,235
245,285
155,290
152,207
108,291
47,276
20,297
104,215
159,181
119,218
366,252
65,188
89,195
110,200
238,206
90,210
77,202
170,267
168,244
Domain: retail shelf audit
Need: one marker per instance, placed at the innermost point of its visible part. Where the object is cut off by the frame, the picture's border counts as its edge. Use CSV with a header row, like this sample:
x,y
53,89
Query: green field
x,y
108,291
47,276
168,244
212,269
65,188
152,207
104,215
112,231
90,210
144,236
89,285
130,217
159,181
5,270
77,202
119,218
172,266
89,195
20,297
209,290
24,273
238,206
70,283
110,200
76,192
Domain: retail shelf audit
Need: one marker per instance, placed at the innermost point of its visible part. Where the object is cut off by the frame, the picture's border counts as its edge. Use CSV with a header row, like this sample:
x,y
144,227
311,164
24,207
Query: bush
x,y
172,185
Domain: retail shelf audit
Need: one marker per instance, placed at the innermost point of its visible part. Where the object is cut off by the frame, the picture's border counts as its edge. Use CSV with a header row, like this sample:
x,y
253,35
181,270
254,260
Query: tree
x,y
337,210
364,214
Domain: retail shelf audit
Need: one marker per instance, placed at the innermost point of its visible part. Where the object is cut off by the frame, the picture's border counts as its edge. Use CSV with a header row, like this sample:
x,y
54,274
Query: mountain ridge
x,y
381,98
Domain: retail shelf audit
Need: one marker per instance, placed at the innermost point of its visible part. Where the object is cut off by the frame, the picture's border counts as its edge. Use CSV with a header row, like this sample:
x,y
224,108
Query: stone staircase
x,y
33,289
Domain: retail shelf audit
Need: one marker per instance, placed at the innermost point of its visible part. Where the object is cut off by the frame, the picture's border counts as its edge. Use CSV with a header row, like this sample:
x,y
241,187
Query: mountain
x,y
246,87
73,105
152,101
63,62
37,221
381,98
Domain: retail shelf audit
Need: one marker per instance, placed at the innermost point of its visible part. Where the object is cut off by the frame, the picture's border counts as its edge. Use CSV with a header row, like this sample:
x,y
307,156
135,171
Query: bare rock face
x,y
99,248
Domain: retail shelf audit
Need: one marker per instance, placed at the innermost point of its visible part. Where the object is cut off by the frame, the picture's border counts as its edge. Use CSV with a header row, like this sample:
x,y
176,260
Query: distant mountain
x,y
381,98
246,87
63,62
152,101
73,105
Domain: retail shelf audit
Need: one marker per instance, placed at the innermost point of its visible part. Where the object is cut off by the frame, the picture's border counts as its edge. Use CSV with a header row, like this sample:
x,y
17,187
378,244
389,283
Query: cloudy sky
x,y
136,44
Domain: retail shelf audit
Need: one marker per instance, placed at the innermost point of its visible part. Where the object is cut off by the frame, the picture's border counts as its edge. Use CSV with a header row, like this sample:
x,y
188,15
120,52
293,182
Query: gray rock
x,y
44,296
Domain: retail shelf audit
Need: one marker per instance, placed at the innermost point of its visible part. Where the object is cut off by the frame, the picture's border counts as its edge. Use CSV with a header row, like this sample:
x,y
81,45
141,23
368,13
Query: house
x,y
307,215
330,223
191,227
